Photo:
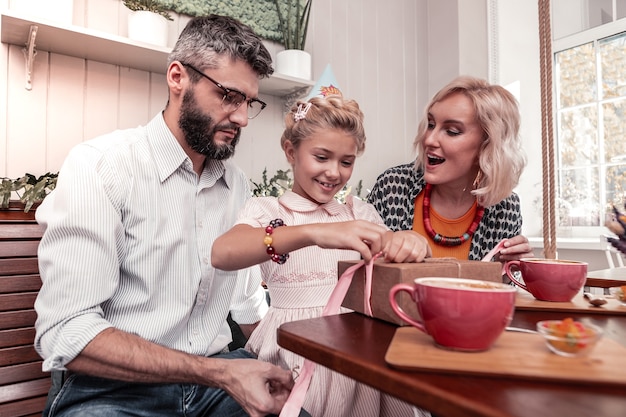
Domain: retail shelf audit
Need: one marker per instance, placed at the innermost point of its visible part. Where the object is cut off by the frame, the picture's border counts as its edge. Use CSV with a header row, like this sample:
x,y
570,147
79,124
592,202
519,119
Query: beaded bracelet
x,y
267,240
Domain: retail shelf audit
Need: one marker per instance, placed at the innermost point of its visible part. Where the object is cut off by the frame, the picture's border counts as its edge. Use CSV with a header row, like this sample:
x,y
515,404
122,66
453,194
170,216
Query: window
x,y
590,99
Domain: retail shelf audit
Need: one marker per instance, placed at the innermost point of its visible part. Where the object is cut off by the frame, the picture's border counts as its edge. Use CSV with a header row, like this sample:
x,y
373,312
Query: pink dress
x,y
299,289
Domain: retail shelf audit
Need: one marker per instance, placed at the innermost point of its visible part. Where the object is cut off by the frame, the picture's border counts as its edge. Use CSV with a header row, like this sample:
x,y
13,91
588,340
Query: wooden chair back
x,y
23,385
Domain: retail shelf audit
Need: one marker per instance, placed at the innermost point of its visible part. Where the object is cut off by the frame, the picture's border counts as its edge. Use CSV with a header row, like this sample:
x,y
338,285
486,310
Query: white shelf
x,y
283,85
100,46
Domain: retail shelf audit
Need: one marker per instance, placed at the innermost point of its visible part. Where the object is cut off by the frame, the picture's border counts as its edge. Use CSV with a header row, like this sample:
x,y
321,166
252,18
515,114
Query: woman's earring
x,y
477,180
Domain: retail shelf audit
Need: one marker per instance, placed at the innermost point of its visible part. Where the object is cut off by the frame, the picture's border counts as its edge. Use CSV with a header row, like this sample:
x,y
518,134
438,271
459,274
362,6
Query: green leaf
x,y
281,181
28,188
293,21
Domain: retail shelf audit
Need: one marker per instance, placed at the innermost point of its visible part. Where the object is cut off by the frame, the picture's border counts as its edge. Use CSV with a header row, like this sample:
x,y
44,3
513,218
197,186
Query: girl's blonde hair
x,y
501,158
325,113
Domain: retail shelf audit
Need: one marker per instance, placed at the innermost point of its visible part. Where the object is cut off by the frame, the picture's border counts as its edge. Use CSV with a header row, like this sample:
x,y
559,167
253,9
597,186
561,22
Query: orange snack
x,y
569,336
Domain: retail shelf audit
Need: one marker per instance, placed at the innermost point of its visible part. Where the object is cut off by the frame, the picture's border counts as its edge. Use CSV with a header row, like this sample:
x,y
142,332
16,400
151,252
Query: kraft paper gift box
x,y
386,275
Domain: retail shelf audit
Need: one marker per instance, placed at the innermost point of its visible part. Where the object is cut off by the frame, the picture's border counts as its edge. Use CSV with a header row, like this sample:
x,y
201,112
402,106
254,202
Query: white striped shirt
x,y
128,239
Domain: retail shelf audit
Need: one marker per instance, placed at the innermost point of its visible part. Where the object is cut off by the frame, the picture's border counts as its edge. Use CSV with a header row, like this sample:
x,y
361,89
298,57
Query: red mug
x,y
549,279
458,313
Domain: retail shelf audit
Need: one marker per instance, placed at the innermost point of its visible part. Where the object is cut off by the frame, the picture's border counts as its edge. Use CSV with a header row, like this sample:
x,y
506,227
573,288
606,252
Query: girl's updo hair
x,y
325,113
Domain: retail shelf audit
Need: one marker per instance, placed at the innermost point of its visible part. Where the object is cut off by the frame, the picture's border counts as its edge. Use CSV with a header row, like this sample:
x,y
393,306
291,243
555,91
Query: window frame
x,y
591,35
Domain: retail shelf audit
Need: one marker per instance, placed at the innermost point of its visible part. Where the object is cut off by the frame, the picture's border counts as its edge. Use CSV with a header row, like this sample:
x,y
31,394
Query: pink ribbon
x,y
296,398
493,252
298,393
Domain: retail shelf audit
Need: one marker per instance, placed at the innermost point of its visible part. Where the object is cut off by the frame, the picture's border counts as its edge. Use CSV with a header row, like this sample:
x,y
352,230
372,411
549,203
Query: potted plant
x,y
148,6
293,21
148,21
282,181
273,187
31,190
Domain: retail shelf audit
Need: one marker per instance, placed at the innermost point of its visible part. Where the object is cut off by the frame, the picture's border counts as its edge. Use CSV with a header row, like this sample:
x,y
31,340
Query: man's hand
x,y
259,387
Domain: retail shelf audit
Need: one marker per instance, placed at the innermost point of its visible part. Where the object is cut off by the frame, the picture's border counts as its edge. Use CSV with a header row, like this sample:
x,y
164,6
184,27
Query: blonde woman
x,y
459,191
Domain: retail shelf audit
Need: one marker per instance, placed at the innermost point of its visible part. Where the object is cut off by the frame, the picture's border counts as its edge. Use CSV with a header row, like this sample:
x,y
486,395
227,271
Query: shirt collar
x,y
170,156
297,203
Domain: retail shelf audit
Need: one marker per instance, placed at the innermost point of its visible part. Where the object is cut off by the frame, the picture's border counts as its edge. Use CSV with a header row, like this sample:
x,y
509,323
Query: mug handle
x,y
396,308
507,268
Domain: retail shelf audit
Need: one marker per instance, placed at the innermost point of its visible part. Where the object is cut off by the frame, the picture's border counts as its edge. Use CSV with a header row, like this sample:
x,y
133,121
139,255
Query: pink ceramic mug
x,y
549,279
459,314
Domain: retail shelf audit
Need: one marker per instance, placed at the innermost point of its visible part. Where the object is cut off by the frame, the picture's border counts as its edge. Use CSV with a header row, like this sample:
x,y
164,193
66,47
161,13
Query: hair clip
x,y
301,112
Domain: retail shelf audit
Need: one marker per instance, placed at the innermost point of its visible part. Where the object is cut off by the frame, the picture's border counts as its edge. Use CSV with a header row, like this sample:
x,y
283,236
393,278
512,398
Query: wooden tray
x,y
525,301
514,355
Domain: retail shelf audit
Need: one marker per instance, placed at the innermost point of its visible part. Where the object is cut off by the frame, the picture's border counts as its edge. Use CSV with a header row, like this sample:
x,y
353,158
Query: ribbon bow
x,y
296,398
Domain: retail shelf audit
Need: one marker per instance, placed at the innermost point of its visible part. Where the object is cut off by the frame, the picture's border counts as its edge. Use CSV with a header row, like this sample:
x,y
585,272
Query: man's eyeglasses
x,y
232,99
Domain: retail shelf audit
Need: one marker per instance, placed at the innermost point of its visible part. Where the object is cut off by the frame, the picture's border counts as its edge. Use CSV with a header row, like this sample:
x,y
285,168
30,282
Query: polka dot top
x,y
394,195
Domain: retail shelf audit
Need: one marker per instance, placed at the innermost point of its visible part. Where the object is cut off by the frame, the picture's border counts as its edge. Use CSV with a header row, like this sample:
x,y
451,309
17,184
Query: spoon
x,y
520,329
595,300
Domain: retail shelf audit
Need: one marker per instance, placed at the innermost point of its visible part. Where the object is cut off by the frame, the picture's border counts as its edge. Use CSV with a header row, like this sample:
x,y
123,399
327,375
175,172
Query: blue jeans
x,y
84,395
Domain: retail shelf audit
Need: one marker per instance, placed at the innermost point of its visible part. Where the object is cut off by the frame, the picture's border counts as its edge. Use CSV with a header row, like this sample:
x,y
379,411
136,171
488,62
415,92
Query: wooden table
x,y
605,278
355,345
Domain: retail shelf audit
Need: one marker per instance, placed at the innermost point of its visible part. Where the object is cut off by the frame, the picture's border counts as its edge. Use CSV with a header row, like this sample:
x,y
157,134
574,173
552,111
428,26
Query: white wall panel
x,y
26,115
158,94
412,61
101,99
517,43
365,41
391,112
390,56
443,43
371,46
4,59
369,166
134,98
65,108
473,44
259,146
106,15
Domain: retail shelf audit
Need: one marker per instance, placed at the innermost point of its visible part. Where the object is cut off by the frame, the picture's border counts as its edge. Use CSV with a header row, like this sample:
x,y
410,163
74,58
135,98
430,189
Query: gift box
x,y
386,275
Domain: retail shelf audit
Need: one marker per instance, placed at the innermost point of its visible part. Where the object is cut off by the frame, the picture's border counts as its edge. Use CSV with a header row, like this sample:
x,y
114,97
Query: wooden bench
x,y
23,385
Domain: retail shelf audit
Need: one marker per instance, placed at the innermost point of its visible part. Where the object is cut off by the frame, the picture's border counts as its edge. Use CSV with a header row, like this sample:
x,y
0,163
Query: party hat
x,y
326,85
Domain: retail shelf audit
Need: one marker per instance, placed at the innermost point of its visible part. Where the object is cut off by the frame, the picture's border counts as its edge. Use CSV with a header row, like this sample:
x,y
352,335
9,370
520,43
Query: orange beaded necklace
x,y
448,240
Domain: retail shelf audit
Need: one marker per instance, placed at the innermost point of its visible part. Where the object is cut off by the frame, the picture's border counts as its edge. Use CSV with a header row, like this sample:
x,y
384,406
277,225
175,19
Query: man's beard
x,y
199,130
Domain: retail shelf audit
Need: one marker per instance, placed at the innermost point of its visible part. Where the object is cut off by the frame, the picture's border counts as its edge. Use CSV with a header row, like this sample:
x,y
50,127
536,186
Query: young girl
x,y
299,237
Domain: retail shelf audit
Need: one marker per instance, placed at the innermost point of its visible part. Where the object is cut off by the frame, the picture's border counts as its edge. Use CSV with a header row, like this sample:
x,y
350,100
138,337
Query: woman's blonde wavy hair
x,y
501,158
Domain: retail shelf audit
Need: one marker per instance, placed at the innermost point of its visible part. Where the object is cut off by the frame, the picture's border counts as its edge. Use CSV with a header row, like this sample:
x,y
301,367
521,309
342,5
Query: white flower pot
x,y
295,63
60,11
144,26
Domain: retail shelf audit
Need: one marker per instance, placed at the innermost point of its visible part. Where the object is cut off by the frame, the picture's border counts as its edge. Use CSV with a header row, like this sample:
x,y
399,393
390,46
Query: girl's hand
x,y
405,246
362,236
